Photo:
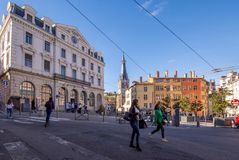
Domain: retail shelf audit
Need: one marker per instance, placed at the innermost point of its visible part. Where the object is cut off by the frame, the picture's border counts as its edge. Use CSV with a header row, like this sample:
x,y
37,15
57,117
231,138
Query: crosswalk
x,y
19,151
32,119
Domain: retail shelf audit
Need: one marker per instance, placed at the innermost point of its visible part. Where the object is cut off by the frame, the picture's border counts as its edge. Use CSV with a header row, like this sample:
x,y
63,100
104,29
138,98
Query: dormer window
x,y
47,28
29,18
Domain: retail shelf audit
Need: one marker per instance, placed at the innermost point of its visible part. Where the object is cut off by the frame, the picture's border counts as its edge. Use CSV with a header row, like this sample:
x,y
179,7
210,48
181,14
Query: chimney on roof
x,y
175,74
157,74
190,74
140,79
166,74
194,74
149,76
185,75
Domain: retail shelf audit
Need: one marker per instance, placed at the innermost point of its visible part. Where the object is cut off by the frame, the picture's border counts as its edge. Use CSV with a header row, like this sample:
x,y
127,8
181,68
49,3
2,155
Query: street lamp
x,y
57,97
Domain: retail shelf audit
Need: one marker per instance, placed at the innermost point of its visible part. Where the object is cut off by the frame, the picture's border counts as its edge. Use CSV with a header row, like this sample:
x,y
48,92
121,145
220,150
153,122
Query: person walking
x,y
159,120
49,107
134,118
33,106
9,107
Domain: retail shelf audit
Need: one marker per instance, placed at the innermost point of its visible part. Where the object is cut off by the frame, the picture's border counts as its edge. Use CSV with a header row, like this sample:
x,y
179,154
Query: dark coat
x,y
49,106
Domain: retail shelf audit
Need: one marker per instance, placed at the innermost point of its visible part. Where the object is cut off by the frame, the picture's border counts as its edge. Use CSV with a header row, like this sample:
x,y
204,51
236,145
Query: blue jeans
x,y
48,114
134,125
9,112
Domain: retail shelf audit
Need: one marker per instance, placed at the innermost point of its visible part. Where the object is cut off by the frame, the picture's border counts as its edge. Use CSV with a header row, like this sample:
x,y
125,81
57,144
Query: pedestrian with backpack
x,y
159,121
134,119
49,107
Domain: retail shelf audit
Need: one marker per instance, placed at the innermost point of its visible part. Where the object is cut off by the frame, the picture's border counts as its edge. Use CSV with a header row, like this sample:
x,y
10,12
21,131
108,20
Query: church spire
x,y
123,73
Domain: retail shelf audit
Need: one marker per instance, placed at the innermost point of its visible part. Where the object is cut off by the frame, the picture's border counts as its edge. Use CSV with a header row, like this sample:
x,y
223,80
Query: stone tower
x,y
123,83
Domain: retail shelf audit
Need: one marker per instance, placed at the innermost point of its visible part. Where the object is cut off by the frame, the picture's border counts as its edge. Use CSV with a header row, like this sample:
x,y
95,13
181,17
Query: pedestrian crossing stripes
x,y
83,152
19,151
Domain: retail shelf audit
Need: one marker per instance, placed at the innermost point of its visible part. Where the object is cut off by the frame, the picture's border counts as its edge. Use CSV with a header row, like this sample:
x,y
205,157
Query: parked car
x,y
235,122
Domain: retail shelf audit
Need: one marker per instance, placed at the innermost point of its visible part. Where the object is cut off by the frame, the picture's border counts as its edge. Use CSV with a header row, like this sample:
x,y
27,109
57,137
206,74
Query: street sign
x,y
235,102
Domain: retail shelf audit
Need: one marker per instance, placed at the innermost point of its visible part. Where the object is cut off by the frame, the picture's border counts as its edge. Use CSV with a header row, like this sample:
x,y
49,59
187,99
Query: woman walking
x,y
159,120
134,117
9,107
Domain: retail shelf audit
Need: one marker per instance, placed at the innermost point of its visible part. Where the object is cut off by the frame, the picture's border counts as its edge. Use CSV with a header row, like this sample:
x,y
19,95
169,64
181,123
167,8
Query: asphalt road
x,y
66,139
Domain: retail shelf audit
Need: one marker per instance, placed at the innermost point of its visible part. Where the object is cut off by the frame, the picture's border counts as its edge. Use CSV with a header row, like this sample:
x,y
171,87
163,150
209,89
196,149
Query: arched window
x,y
62,96
92,99
99,100
27,90
74,96
46,93
83,98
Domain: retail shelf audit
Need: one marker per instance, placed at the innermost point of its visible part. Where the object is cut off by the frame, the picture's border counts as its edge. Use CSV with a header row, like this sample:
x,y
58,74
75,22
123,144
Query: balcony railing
x,y
66,78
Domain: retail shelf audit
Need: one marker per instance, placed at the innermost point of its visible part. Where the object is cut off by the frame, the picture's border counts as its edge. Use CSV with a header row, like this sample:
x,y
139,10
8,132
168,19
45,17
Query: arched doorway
x,y
99,100
46,93
27,92
92,100
74,96
62,100
83,98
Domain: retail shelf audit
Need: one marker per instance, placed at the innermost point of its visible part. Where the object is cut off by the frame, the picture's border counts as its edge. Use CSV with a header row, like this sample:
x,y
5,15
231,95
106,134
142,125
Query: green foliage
x,y
219,103
184,104
166,103
190,106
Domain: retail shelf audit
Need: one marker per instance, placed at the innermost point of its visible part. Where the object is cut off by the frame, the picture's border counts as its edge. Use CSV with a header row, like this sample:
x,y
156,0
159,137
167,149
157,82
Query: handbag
x,y
142,124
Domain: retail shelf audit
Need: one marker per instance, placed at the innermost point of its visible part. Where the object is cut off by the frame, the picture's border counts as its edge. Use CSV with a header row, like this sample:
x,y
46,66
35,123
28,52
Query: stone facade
x,y
40,59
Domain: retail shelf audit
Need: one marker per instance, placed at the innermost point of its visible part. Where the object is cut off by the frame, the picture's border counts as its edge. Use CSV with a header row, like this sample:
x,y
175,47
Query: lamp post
x,y
57,97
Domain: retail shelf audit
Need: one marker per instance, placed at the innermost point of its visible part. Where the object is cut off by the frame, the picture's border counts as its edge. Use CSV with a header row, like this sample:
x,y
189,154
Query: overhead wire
x,y
105,35
174,34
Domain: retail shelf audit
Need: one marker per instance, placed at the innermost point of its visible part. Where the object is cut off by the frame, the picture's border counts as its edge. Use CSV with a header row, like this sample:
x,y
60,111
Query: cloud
x,y
156,11
158,8
147,3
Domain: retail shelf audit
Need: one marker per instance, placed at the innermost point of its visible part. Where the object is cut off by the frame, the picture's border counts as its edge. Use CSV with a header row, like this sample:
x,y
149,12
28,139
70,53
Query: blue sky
x,y
210,27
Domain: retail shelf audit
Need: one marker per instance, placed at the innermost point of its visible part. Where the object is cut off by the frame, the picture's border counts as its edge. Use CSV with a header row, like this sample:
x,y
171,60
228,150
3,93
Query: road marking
x,y
80,150
19,151
18,121
1,131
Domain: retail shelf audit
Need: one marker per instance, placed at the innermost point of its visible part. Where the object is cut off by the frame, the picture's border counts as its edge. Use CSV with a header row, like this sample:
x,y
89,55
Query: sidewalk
x,y
202,124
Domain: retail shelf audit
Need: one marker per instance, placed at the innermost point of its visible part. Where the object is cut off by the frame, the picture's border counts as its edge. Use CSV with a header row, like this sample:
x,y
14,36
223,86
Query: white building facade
x,y
42,59
231,82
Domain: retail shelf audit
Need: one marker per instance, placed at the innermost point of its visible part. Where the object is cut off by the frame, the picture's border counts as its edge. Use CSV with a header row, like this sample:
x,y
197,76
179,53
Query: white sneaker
x,y
164,140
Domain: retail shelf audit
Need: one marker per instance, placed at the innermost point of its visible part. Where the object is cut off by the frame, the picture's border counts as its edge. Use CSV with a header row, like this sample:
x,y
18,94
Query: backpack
x,y
127,116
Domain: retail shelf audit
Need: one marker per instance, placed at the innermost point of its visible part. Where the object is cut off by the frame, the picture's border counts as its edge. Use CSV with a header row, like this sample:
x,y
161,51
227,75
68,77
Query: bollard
x,y
75,114
103,114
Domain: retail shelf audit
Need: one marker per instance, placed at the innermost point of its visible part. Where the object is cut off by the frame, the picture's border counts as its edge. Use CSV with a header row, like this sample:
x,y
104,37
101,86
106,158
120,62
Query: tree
x,y
184,104
196,106
219,102
188,106
169,104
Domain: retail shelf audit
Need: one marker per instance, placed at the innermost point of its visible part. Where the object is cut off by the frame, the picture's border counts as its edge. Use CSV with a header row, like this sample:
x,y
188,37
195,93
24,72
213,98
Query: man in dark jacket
x,y
49,107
